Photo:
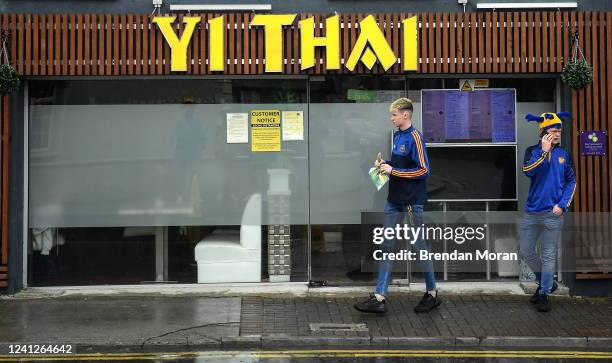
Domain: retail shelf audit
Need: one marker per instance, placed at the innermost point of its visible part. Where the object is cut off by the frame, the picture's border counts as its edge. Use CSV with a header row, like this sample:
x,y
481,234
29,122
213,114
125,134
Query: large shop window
x,y
349,125
133,181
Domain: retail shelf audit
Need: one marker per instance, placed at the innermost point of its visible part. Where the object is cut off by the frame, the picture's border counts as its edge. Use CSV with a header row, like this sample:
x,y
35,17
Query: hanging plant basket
x,y
9,79
577,73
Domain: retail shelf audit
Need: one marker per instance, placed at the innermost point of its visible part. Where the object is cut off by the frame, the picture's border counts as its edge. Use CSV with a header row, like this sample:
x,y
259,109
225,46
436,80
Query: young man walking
x,y
408,170
553,182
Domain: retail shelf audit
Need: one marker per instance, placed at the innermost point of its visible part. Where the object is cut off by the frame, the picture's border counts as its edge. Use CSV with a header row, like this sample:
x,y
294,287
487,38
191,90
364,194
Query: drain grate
x,y
332,327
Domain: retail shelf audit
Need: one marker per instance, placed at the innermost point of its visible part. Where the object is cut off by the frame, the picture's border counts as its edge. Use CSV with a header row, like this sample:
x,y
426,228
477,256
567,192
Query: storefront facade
x,y
133,153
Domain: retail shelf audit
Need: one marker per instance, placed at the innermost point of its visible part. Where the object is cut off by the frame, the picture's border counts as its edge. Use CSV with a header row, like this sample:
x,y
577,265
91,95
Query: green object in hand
x,y
379,179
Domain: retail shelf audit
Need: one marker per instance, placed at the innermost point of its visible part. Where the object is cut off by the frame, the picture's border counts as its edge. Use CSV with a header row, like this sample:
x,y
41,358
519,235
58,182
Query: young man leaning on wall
x,y
551,170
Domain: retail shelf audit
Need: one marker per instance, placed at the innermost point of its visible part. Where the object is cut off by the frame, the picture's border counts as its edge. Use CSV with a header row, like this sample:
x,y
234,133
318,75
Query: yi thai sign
x,y
370,47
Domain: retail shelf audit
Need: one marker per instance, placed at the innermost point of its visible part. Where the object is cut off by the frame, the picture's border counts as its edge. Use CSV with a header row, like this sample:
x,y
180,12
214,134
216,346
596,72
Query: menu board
x,y
478,116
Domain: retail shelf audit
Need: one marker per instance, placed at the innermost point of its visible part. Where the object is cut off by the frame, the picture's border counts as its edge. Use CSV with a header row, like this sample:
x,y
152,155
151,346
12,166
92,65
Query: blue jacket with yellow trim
x,y
552,178
410,168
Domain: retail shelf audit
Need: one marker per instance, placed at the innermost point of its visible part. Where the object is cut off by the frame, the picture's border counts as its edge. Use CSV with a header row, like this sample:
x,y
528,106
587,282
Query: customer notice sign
x,y
265,130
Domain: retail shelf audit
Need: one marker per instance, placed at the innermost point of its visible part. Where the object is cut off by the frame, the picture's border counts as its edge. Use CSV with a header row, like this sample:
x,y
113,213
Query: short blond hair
x,y
401,104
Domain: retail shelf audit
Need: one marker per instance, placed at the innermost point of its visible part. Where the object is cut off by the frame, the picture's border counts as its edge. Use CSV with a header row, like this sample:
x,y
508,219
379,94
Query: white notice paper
x,y
237,128
293,125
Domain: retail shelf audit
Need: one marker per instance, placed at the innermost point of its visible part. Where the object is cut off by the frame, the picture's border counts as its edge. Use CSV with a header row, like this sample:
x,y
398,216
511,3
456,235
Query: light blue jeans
x,y
548,225
396,214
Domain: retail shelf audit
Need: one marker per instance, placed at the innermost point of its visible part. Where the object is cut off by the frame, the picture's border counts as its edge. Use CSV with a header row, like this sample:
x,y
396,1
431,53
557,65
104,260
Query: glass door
x,y
349,125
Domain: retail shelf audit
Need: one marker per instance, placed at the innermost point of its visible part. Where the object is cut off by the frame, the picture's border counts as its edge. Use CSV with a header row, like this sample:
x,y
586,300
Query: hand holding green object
x,y
378,178
378,160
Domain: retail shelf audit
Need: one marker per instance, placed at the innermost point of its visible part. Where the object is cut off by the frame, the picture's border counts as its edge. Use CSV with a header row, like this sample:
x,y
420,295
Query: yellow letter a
x,y
178,47
371,35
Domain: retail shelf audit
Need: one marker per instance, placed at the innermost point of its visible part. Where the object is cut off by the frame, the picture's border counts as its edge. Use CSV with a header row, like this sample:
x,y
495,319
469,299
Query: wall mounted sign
x,y
466,85
293,125
593,142
237,128
265,130
472,84
359,95
370,47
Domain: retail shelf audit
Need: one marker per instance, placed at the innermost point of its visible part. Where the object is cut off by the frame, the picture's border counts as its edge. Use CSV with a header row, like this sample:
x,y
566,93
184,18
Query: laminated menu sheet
x,y
477,116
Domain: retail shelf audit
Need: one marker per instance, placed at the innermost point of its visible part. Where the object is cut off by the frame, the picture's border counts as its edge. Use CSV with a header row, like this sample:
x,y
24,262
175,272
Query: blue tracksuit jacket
x,y
552,178
410,168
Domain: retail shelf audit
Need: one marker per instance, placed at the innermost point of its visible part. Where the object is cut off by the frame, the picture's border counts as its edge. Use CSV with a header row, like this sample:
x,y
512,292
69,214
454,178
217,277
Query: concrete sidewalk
x,y
177,323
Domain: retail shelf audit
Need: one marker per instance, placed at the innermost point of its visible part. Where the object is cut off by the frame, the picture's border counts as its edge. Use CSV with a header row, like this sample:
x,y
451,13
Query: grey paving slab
x,y
430,342
534,342
122,321
241,342
600,343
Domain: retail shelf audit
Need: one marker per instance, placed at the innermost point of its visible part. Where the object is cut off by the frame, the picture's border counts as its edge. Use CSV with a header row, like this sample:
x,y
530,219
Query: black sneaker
x,y
536,295
427,303
543,304
372,305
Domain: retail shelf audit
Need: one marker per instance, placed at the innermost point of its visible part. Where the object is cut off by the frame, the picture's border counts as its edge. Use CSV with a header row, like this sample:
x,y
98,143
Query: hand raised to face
x,y
547,142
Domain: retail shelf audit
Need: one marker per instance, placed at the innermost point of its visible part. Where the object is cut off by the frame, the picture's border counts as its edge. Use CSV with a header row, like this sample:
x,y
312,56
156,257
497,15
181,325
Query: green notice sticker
x,y
359,95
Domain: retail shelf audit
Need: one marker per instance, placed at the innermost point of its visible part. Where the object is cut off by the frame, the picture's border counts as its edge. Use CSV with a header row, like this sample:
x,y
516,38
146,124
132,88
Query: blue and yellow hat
x,y
548,120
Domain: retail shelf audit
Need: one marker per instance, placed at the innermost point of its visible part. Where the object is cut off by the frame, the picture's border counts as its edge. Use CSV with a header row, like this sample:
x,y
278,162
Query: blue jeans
x,y
395,214
530,227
